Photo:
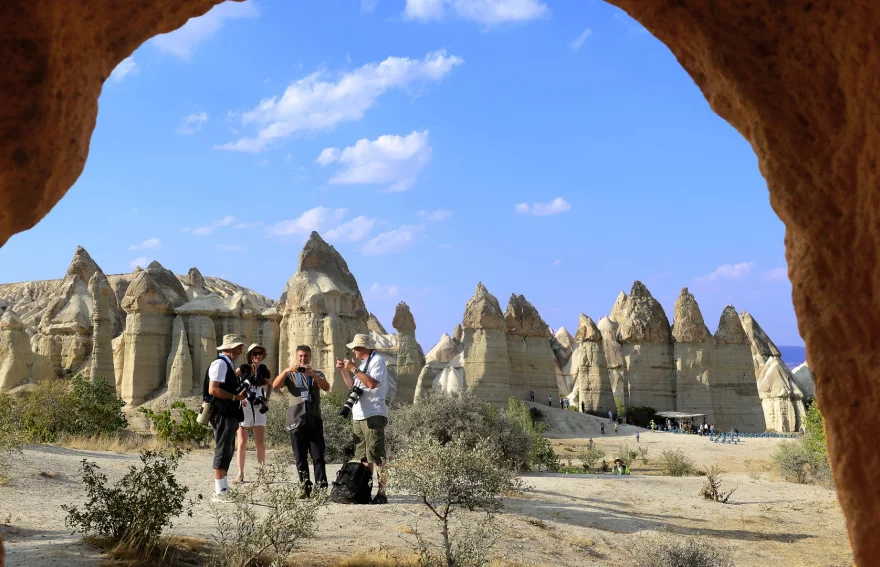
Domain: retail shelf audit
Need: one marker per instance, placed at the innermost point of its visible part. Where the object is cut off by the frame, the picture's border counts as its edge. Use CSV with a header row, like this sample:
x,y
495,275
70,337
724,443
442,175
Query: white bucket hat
x,y
363,341
254,347
230,342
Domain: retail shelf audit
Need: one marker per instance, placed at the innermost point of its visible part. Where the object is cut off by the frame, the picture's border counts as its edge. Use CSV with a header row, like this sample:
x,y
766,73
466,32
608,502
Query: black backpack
x,y
353,484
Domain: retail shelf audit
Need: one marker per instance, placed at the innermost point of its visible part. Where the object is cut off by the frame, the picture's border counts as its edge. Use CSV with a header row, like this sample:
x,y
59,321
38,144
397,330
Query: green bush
x,y
669,551
184,431
75,407
338,436
805,461
591,454
676,463
277,435
627,454
249,535
445,417
541,453
136,509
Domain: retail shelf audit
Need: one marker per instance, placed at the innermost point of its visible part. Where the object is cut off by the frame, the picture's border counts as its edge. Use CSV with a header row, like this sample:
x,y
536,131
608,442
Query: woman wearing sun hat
x,y
259,376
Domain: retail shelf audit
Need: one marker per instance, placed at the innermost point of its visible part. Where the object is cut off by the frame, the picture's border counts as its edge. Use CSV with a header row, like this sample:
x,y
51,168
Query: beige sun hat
x,y
254,347
363,341
230,342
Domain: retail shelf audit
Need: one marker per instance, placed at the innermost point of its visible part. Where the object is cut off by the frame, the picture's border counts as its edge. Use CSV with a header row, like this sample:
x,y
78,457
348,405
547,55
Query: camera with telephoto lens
x,y
253,396
353,395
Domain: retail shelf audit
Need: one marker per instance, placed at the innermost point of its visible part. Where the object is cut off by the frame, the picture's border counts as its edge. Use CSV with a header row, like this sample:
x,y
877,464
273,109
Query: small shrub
x,y
11,435
796,463
184,431
541,452
463,416
712,488
604,467
136,509
676,463
277,435
591,454
96,409
338,436
269,520
626,453
643,454
668,551
451,476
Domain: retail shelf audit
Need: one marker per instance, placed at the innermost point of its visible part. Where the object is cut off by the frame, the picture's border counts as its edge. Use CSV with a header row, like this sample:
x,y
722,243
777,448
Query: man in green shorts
x,y
369,413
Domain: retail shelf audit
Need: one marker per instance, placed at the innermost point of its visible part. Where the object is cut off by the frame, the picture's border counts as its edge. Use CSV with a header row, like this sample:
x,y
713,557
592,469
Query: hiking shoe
x,y
224,497
379,499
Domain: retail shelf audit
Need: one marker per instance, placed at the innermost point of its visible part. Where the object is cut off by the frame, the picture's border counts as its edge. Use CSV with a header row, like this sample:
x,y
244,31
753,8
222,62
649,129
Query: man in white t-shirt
x,y
222,389
369,413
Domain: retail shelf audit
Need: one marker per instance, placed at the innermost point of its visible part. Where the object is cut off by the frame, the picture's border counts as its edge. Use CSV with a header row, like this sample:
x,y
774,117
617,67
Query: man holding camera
x,y
304,416
222,387
369,413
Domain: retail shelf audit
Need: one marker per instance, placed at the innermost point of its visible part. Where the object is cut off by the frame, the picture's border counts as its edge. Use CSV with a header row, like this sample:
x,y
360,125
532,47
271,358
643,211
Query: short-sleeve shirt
x,y
372,401
217,369
296,382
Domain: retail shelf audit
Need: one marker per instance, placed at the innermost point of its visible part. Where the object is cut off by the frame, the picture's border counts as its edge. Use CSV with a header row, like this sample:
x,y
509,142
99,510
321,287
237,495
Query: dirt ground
x,y
561,520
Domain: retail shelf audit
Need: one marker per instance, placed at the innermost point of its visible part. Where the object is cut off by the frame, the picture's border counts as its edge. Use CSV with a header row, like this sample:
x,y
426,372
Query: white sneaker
x,y
224,497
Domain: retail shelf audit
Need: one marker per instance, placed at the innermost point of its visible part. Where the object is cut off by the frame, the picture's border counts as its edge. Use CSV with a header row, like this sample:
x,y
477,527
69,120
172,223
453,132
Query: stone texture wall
x,y
528,347
592,376
694,354
485,358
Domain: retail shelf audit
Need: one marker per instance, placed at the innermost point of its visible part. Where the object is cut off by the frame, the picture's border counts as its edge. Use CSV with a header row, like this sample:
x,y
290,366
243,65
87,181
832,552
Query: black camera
x,y
254,397
301,369
353,395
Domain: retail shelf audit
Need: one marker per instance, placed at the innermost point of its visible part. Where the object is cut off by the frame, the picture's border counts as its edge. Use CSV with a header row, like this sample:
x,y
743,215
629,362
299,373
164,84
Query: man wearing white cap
x,y
369,413
222,388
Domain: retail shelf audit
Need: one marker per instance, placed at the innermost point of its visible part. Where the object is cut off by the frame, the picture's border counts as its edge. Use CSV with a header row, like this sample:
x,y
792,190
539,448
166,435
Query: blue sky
x,y
549,148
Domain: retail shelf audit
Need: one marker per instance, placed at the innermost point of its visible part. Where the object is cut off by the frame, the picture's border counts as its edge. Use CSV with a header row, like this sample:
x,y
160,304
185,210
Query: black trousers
x,y
225,429
310,442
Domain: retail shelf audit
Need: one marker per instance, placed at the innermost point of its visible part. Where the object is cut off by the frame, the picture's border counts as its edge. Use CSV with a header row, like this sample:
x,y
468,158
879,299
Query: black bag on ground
x,y
353,484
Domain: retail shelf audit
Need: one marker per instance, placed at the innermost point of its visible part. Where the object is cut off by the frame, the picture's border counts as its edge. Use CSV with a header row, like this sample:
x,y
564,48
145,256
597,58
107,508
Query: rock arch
x,y
796,79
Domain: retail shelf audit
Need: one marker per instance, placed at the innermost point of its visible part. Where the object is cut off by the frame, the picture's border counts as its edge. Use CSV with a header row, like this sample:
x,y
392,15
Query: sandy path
x,y
563,520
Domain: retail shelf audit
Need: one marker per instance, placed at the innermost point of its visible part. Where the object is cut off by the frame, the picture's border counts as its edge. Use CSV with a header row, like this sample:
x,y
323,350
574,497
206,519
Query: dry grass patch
x,y
168,552
119,442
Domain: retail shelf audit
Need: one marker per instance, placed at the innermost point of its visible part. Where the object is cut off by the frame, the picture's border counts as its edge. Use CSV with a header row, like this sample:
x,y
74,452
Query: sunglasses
x,y
258,353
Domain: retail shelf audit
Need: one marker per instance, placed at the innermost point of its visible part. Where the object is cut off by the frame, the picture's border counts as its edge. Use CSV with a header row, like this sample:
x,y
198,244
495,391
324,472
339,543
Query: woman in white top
x,y
259,377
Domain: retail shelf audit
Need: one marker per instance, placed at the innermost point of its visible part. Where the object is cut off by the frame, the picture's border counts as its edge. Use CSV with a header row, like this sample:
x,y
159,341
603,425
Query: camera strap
x,y
366,367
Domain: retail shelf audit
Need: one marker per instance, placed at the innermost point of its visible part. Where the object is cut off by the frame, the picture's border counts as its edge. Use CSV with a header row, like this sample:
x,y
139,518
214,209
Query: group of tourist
x,y
238,398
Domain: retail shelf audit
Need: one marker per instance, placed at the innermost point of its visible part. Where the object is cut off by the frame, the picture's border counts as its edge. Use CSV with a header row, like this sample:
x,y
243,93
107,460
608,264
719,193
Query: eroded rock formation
x,y
803,377
693,352
782,400
485,358
590,368
532,365
103,322
409,358
322,307
646,346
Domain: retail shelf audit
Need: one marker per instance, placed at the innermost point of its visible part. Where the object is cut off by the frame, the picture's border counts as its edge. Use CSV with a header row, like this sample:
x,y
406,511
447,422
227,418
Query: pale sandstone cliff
x,y
532,365
485,359
409,358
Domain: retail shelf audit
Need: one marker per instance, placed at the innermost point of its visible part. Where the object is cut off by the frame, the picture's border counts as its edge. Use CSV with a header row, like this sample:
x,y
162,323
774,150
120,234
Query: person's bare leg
x,y
260,442
241,448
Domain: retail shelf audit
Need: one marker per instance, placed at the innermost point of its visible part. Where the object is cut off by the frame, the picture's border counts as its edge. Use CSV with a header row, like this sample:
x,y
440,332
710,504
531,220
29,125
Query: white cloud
x,y
557,205
192,123
367,6
140,261
352,231
126,67
231,248
775,275
393,241
383,291
241,225
579,40
395,160
728,272
320,219
557,262
438,215
487,12
316,103
183,42
209,229
148,244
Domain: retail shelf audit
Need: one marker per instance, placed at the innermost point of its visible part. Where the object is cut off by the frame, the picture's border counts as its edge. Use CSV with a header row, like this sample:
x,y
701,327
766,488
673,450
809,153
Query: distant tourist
x,y
653,425
583,408
637,436
620,468
220,387
550,401
615,428
609,416
531,395
602,428
258,376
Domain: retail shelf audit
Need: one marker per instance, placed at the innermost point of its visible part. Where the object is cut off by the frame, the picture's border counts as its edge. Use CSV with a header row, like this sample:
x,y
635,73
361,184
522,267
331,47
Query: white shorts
x,y
252,416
